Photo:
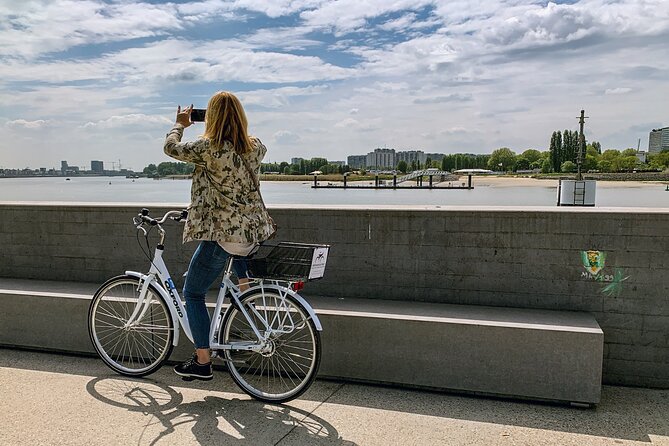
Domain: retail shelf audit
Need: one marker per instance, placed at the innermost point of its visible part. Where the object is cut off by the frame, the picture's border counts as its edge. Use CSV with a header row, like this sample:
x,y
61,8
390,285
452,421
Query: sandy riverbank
x,y
493,181
500,182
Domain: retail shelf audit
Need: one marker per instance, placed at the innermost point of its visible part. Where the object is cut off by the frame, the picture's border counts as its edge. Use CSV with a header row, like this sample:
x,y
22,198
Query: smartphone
x,y
197,114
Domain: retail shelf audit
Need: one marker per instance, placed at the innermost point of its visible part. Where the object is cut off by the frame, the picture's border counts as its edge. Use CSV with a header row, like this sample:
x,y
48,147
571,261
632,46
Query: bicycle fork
x,y
142,304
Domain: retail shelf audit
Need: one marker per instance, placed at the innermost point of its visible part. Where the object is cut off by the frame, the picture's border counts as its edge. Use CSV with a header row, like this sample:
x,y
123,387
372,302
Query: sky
x,y
100,80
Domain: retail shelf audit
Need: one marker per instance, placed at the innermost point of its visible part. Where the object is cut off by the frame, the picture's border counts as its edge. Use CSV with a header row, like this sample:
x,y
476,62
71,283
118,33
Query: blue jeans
x,y
206,265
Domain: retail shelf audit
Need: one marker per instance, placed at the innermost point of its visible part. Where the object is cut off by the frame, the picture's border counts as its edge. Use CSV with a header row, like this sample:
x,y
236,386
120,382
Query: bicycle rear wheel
x,y
290,363
134,349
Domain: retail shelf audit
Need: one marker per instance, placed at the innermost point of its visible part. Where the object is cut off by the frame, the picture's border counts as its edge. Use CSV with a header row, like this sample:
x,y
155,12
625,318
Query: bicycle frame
x,y
159,274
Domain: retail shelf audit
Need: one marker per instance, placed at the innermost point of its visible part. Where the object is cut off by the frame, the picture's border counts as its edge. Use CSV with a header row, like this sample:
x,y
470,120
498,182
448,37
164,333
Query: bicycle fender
x,y
166,298
300,299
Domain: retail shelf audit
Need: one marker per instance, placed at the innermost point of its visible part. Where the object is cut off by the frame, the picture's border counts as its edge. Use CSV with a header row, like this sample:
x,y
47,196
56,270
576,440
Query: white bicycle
x,y
269,336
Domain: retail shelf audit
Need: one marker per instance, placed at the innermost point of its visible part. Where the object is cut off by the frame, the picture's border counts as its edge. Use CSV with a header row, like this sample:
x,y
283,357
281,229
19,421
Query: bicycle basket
x,y
290,261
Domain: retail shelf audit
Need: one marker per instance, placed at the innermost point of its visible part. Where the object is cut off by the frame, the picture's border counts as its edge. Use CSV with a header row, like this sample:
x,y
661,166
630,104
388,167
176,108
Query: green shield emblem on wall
x,y
593,261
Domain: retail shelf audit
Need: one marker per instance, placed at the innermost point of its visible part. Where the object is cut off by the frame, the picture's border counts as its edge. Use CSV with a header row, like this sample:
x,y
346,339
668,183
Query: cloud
x,y
513,24
277,8
40,27
384,88
221,61
497,112
149,67
400,23
349,15
455,133
454,97
286,137
279,97
455,130
619,90
346,123
207,10
541,25
367,125
486,32
72,103
288,39
37,124
423,54
129,121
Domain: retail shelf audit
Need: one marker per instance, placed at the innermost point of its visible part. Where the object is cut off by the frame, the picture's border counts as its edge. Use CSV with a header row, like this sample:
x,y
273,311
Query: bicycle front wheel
x,y
134,347
289,363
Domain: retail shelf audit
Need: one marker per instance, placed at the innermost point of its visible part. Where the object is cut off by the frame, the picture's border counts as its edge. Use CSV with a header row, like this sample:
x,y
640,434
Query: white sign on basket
x,y
318,263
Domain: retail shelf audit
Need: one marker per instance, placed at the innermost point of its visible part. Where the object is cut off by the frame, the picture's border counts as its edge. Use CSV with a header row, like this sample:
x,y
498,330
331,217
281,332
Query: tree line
x,y
561,156
564,146
448,162
304,167
611,160
168,168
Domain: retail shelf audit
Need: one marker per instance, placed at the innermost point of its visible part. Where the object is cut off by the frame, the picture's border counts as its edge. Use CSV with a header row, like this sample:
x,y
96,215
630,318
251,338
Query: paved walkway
x,y
48,399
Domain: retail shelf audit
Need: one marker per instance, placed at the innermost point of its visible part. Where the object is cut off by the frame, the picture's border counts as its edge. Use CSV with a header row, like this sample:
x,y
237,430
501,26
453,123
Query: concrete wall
x,y
513,257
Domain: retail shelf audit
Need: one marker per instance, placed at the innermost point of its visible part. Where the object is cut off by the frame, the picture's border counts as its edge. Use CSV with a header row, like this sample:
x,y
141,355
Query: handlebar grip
x,y
149,220
181,217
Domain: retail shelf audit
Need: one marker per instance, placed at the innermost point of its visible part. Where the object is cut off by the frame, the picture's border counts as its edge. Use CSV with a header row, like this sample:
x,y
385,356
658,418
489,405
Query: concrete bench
x,y
534,354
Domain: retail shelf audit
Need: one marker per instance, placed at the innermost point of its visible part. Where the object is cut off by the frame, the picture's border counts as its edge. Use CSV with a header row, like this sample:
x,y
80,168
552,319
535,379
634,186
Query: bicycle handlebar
x,y
174,215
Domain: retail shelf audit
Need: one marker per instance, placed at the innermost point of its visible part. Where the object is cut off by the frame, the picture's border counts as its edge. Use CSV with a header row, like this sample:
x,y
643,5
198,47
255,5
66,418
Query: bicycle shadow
x,y
214,420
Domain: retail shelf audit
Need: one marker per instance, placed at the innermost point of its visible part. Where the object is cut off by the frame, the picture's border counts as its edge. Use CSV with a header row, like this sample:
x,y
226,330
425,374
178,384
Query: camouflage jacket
x,y
225,205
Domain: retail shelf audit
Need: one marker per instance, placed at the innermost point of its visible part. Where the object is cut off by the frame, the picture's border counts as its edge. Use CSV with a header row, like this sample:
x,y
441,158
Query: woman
x,y
226,214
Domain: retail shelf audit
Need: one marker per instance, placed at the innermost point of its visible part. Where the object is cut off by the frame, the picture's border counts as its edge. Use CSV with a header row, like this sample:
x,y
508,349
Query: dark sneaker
x,y
191,369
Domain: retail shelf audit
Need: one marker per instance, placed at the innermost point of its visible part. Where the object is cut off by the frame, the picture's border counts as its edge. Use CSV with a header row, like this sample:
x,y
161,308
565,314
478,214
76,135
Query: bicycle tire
x,y
289,369
131,351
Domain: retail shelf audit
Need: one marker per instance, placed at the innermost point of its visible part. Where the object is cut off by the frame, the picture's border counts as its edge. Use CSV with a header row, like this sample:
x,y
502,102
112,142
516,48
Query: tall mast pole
x,y
581,145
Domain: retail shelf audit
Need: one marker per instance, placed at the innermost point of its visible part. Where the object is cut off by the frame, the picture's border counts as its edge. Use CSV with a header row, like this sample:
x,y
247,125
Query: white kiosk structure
x,y
577,192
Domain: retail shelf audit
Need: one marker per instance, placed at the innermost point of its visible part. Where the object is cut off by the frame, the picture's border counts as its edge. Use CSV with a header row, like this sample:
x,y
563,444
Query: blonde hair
x,y
225,120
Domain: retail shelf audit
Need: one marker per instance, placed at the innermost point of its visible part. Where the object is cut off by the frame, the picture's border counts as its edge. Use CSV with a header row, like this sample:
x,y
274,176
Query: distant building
x,y
63,167
381,159
357,161
337,163
296,160
385,159
97,166
658,140
410,156
434,156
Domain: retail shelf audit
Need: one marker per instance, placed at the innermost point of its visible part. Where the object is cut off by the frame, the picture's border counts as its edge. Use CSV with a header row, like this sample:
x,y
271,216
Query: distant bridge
x,y
446,176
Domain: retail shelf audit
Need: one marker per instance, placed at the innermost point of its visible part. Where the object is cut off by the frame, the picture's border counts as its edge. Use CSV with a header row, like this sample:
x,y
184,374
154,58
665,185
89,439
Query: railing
x,y
448,176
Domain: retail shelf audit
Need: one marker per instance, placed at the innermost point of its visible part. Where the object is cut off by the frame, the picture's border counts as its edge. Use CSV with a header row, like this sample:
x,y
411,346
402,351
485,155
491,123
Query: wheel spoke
x,y
142,346
289,361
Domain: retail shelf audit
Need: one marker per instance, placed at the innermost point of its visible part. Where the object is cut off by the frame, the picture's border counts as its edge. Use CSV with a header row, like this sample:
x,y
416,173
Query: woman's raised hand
x,y
183,116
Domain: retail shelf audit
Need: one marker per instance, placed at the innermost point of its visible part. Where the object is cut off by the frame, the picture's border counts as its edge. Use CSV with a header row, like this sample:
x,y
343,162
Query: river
x,y
486,192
